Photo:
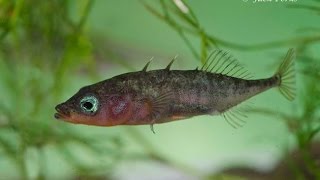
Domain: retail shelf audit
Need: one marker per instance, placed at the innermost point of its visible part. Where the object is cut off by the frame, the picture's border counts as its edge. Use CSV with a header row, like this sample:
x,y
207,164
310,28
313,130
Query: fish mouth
x,y
59,116
62,112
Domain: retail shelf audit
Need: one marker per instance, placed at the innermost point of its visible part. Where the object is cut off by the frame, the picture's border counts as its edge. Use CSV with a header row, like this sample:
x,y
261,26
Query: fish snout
x,y
62,111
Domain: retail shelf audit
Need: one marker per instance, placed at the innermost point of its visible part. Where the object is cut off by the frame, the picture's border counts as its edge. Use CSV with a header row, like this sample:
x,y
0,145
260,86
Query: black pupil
x,y
88,105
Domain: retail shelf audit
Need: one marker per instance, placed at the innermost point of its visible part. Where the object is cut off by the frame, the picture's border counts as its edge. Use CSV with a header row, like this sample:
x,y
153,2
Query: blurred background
x,y
50,49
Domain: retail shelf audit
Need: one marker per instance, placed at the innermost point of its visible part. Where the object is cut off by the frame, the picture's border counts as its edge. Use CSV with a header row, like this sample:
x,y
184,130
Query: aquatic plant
x,y
45,51
304,125
40,48
180,16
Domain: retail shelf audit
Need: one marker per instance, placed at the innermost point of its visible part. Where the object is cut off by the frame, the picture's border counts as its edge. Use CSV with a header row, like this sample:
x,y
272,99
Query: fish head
x,y
93,106
82,108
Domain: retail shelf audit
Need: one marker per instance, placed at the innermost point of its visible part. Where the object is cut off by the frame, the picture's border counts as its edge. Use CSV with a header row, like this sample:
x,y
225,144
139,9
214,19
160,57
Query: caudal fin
x,y
286,75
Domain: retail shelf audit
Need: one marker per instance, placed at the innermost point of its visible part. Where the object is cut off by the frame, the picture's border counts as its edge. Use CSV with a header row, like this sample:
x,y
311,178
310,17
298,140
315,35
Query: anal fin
x,y
236,116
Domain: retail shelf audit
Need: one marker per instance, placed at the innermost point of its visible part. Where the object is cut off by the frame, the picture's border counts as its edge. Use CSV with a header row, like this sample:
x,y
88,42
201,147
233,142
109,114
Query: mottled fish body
x,y
158,96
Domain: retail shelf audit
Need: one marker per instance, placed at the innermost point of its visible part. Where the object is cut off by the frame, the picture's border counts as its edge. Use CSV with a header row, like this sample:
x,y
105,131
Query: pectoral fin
x,y
159,108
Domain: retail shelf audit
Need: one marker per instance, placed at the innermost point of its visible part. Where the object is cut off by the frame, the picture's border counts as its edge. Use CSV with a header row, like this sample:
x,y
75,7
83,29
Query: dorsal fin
x,y
171,62
146,66
221,62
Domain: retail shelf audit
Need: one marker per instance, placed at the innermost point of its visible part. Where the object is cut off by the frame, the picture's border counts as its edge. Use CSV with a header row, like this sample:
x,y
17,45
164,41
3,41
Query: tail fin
x,y
286,76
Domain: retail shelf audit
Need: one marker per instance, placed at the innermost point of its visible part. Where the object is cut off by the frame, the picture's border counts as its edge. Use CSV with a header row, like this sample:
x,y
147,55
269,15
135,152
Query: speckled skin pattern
x,y
160,96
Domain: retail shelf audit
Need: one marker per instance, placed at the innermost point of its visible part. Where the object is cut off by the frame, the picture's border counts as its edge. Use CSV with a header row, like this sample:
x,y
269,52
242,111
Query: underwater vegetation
x,y
38,47
304,124
47,50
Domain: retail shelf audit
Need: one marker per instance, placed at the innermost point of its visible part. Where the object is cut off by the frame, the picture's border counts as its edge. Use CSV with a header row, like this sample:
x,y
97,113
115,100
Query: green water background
x,y
121,36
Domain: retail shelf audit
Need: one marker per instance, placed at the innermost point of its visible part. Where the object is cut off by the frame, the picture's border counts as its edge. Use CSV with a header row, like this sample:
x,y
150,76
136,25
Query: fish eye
x,y
89,104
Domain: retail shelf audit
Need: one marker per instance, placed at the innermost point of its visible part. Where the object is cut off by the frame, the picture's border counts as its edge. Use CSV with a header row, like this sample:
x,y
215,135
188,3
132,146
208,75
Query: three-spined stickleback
x,y
165,95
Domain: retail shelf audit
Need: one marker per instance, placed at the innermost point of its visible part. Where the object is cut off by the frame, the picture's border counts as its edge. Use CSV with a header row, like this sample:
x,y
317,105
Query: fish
x,y
165,95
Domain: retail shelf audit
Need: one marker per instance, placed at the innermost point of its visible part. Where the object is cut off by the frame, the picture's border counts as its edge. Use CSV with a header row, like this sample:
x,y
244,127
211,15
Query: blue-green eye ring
x,y
89,104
